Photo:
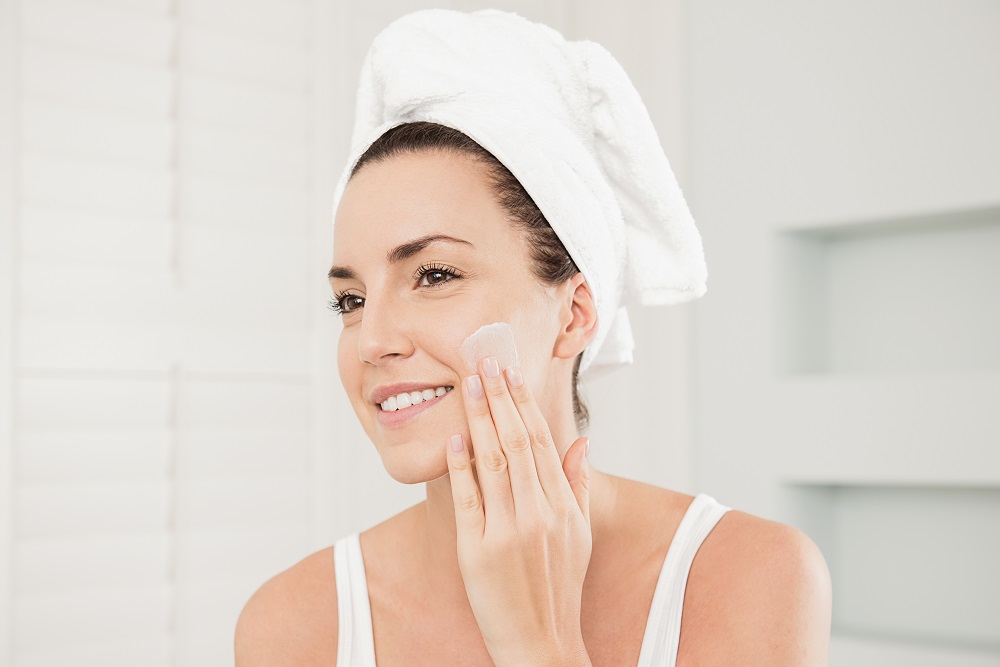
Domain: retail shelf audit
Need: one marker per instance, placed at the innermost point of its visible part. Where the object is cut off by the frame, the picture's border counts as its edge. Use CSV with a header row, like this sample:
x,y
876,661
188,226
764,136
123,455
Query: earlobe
x,y
579,318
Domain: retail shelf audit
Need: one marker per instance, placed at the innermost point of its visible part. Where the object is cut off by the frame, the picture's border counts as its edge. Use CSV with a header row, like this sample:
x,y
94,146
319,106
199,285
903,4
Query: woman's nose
x,y
383,334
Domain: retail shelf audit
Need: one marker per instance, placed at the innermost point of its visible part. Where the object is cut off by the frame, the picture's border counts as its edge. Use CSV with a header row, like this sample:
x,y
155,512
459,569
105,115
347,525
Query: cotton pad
x,y
491,340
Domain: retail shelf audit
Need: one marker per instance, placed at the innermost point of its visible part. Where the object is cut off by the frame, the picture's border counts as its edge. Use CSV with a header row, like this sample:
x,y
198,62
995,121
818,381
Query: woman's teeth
x,y
405,400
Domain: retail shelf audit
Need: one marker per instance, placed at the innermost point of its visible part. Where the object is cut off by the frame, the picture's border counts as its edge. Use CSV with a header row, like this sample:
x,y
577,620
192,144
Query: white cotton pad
x,y
492,340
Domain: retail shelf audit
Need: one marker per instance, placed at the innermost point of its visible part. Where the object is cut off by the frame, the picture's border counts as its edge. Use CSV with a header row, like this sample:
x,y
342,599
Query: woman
x,y
501,174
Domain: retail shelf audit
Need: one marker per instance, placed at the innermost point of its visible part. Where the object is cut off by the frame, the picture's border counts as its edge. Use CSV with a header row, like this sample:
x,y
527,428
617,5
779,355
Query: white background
x,y
173,428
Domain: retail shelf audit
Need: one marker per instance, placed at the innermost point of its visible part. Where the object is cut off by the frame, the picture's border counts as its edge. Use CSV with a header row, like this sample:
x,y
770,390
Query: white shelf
x,y
905,295
910,563
853,651
887,429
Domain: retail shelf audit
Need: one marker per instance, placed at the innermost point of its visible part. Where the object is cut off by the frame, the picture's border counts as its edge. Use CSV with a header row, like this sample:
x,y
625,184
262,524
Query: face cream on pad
x,y
491,340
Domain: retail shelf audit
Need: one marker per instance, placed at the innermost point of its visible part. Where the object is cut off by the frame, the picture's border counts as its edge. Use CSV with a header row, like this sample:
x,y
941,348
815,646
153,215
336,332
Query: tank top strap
x,y
663,627
355,642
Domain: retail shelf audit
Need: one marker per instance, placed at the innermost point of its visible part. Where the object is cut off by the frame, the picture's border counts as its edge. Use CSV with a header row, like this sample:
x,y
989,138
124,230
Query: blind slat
x,y
246,405
93,344
247,109
90,82
92,561
251,453
151,651
281,22
154,8
219,503
87,403
71,237
206,556
66,456
44,620
58,128
101,30
269,298
91,508
225,251
97,344
214,202
228,57
235,157
95,186
136,295
234,350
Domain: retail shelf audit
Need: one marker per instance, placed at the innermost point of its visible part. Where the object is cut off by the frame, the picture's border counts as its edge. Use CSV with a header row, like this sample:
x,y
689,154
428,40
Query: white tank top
x,y
356,644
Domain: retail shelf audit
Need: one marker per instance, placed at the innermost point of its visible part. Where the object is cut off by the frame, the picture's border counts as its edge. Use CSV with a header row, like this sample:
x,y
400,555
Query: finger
x,y
577,467
548,466
491,462
514,438
470,519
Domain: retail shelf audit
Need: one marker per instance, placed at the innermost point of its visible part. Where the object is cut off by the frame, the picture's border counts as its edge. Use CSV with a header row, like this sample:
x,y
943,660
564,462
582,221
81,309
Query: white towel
x,y
566,120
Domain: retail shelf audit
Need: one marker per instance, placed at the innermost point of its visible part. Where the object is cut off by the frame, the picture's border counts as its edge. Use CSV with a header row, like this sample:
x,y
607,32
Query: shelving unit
x,y
886,414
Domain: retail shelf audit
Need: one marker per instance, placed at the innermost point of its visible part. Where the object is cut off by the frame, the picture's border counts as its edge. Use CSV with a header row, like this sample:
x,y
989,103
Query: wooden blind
x,y
162,324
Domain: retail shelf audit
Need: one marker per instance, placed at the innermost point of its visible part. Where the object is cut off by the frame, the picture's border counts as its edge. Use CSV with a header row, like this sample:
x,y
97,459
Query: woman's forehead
x,y
403,199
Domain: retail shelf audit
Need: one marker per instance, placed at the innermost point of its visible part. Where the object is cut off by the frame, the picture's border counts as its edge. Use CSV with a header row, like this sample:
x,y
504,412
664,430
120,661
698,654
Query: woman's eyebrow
x,y
398,254
411,248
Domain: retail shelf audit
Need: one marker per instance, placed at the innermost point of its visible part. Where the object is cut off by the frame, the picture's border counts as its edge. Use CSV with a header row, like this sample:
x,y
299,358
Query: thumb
x,y
577,470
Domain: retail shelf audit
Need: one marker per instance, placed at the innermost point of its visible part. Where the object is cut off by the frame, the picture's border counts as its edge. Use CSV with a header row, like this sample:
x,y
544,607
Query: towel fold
x,y
567,122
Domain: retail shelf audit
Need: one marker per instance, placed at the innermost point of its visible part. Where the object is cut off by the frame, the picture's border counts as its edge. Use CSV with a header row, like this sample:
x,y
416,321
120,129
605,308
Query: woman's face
x,y
409,303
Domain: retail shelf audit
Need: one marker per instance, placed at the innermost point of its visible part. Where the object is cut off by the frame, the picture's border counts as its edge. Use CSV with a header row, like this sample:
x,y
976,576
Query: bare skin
x,y
758,592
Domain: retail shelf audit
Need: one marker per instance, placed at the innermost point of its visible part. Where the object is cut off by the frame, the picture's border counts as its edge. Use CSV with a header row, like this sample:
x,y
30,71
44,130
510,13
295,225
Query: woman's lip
x,y
383,392
397,418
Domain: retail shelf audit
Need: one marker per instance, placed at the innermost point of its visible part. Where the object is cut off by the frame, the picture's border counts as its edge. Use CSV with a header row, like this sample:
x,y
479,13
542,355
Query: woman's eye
x,y
435,275
342,304
350,303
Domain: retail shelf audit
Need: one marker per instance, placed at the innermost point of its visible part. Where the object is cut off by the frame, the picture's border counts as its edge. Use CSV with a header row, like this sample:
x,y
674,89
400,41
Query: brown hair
x,y
551,263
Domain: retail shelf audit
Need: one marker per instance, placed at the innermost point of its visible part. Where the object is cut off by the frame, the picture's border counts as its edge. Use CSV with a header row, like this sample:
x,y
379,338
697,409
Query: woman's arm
x,y
291,621
761,595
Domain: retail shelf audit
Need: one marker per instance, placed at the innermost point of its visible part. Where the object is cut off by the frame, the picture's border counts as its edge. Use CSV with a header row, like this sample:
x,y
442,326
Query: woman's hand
x,y
524,538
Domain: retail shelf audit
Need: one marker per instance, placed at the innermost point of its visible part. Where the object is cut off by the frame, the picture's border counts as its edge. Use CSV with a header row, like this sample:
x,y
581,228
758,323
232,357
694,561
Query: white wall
x,y
843,158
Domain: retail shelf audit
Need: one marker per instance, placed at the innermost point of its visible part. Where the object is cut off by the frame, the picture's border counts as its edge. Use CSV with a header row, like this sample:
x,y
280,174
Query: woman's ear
x,y
577,317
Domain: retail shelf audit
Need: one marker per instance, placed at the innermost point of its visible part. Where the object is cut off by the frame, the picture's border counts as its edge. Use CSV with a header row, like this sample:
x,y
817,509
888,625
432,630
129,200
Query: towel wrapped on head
x,y
567,122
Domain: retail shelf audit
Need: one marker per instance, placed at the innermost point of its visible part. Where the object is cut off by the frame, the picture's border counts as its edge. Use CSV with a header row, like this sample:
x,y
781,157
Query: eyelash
x,y
338,298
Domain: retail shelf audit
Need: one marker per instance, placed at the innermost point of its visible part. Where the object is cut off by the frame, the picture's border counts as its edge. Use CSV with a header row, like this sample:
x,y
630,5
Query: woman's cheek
x,y
346,363
442,325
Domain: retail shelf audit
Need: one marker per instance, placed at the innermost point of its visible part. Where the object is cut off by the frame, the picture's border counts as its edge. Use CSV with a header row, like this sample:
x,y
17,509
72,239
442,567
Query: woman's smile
x,y
399,416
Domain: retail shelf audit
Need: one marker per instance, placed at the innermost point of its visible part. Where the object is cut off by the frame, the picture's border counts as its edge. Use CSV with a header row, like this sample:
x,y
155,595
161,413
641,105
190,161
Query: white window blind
x,y
162,314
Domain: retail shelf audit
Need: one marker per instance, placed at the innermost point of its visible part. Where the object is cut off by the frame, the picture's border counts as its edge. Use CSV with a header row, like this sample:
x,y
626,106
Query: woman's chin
x,y
415,467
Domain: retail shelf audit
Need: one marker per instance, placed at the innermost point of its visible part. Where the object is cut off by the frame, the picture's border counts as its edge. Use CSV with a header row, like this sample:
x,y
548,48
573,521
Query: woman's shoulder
x,y
760,593
292,618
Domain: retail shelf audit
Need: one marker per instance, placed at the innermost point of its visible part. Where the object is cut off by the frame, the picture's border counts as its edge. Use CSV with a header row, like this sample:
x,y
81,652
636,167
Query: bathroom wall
x,y
843,162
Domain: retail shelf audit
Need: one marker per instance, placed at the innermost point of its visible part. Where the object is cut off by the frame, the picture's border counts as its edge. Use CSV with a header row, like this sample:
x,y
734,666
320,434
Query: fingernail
x,y
491,367
587,453
474,386
514,377
456,443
